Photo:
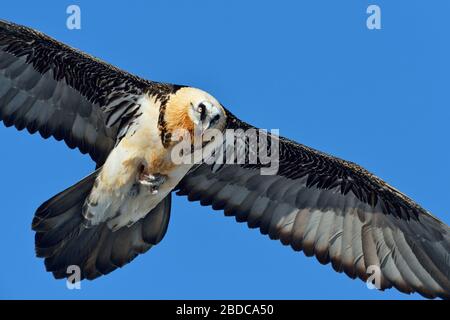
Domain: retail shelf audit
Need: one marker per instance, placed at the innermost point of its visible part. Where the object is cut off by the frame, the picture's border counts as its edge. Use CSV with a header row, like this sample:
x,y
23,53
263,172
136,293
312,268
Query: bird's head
x,y
193,110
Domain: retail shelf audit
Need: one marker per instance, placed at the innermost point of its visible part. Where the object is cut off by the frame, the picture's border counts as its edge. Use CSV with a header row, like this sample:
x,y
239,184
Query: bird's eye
x,y
202,110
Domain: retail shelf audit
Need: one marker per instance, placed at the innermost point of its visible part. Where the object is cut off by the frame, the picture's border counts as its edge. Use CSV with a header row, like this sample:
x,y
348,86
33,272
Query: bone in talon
x,y
149,180
145,182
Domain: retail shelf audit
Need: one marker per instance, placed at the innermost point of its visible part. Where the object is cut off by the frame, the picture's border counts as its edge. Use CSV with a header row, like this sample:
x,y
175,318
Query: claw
x,y
152,181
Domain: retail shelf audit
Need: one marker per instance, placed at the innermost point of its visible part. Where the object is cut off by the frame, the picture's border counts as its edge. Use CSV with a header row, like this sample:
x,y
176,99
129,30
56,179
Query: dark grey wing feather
x,y
334,210
50,88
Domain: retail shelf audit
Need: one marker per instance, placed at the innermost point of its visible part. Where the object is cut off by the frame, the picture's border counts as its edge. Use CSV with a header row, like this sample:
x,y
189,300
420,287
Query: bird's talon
x,y
145,182
153,181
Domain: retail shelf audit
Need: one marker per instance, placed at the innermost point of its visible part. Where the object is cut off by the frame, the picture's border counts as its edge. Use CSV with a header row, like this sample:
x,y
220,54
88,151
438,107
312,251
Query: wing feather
x,y
335,210
50,88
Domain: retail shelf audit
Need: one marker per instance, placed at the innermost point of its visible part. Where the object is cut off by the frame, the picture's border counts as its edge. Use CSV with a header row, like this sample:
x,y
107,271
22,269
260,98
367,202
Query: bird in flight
x,y
319,204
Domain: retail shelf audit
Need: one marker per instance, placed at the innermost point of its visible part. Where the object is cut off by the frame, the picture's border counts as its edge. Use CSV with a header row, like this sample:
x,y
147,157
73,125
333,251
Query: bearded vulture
x,y
316,203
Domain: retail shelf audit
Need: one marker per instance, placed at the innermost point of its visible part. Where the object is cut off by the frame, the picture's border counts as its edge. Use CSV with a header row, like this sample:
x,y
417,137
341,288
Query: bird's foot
x,y
152,181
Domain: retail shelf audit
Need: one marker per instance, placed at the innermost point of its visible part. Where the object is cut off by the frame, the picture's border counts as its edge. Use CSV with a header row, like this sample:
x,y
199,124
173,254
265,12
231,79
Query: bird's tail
x,y
63,240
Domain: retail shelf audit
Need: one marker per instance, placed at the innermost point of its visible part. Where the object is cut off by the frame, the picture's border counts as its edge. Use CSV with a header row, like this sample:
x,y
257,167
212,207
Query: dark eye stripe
x,y
214,119
202,110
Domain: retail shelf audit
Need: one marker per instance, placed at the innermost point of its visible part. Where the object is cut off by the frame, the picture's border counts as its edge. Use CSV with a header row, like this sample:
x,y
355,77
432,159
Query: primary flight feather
x,y
325,206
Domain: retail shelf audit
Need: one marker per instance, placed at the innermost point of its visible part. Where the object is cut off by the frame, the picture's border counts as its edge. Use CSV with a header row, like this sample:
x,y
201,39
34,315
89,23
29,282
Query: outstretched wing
x,y
335,210
50,88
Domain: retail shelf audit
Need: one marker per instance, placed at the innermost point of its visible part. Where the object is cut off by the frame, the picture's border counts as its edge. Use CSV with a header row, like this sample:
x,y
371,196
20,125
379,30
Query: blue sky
x,y
311,68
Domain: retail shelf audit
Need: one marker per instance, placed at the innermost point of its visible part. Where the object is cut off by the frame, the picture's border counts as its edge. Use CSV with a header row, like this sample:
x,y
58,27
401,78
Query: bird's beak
x,y
216,114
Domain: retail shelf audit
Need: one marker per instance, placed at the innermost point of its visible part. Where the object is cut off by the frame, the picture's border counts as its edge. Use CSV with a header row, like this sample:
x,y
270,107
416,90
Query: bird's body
x,y
140,151
314,202
118,196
